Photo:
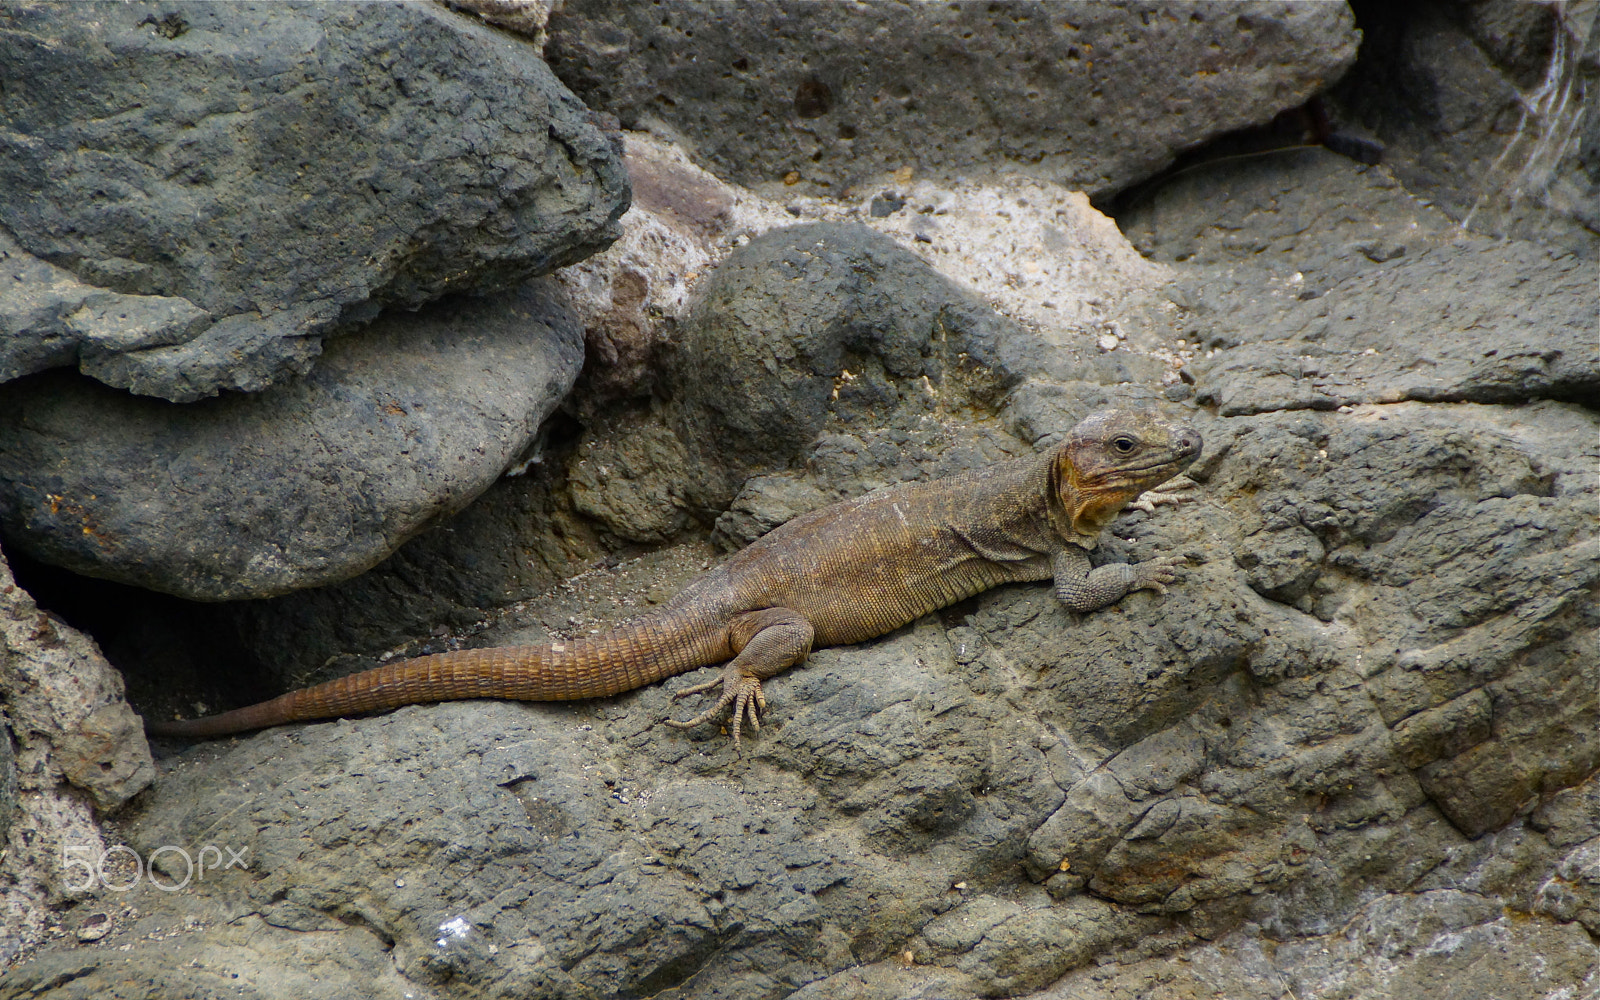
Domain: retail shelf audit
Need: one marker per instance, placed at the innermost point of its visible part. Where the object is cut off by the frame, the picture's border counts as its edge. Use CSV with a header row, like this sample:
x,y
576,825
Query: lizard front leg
x,y
1083,589
766,642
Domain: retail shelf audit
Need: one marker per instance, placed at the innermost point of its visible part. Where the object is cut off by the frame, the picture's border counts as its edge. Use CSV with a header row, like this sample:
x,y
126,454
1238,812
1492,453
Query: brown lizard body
x,y
836,576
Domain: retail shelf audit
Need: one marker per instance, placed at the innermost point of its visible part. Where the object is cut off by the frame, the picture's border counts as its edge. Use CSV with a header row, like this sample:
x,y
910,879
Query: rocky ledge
x,y
1353,753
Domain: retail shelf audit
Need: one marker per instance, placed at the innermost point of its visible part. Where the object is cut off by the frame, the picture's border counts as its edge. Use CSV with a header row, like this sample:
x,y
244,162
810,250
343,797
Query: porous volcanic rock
x,y
71,750
192,195
836,94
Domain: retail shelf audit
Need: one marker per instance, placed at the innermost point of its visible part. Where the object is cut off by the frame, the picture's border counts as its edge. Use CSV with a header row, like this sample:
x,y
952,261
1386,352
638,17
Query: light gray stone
x,y
71,752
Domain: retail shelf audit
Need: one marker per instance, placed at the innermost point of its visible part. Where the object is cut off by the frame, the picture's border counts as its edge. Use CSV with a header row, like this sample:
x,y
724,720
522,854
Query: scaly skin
x,y
837,576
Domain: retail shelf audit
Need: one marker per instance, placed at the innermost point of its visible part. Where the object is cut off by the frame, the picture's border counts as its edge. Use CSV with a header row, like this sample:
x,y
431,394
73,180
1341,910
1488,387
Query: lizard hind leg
x,y
766,643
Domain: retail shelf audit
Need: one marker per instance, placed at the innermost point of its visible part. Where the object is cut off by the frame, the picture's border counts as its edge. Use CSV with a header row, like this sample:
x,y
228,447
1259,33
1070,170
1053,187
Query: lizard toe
x,y
748,706
703,717
697,689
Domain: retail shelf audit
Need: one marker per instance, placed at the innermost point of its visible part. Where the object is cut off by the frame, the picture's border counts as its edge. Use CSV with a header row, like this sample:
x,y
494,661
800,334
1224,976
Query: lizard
x,y
837,576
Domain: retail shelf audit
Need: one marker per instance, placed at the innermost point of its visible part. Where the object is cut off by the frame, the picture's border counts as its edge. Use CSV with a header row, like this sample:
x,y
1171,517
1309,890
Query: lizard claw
x,y
739,689
1155,574
1167,492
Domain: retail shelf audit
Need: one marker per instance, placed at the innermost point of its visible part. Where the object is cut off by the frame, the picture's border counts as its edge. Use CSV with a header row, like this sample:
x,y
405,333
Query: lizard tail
x,y
632,656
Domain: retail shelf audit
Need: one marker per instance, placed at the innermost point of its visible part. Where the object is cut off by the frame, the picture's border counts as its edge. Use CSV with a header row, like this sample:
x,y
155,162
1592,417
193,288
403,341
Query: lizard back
x,y
867,566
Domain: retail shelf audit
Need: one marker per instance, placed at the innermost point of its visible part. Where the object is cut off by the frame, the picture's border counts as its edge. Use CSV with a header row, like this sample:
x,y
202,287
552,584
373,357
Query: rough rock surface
x,y
827,347
842,93
1353,753
70,747
306,483
1487,108
1438,325
1036,252
1304,303
192,195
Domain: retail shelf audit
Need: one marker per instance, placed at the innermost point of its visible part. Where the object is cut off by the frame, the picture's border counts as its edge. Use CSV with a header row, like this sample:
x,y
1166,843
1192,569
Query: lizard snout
x,y
1189,441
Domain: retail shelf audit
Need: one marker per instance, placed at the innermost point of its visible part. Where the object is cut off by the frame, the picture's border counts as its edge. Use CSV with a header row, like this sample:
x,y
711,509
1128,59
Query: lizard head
x,y
1107,460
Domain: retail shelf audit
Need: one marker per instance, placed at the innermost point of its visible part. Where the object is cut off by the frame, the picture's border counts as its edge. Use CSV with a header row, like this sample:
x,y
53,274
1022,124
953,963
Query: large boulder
x,y
1092,96
305,483
192,195
987,800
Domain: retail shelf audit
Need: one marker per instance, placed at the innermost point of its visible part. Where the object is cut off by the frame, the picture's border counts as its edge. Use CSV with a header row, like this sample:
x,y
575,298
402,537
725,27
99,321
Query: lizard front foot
x,y
1155,574
1167,492
739,689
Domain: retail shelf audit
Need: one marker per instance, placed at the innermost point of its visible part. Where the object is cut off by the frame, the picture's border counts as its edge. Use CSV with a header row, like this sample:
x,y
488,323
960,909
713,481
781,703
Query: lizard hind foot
x,y
740,690
766,642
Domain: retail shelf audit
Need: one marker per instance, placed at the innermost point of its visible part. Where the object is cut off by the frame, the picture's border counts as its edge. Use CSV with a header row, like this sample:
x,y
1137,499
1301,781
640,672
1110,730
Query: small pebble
x,y
94,927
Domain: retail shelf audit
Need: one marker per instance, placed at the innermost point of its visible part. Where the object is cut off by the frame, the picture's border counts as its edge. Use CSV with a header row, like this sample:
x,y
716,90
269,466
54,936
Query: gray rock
x,y
1283,564
628,474
1305,303
1266,218
1486,108
1174,771
764,503
769,346
1574,893
306,483
64,707
1570,816
263,173
1453,943
290,962
833,347
520,538
841,94
49,319
1448,324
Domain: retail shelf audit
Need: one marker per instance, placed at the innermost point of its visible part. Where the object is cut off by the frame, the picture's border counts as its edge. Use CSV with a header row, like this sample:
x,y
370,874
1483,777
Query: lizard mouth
x,y
1174,459
1171,461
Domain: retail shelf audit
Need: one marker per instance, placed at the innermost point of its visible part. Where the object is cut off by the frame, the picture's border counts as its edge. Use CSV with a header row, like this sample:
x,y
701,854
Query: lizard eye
x,y
1124,445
